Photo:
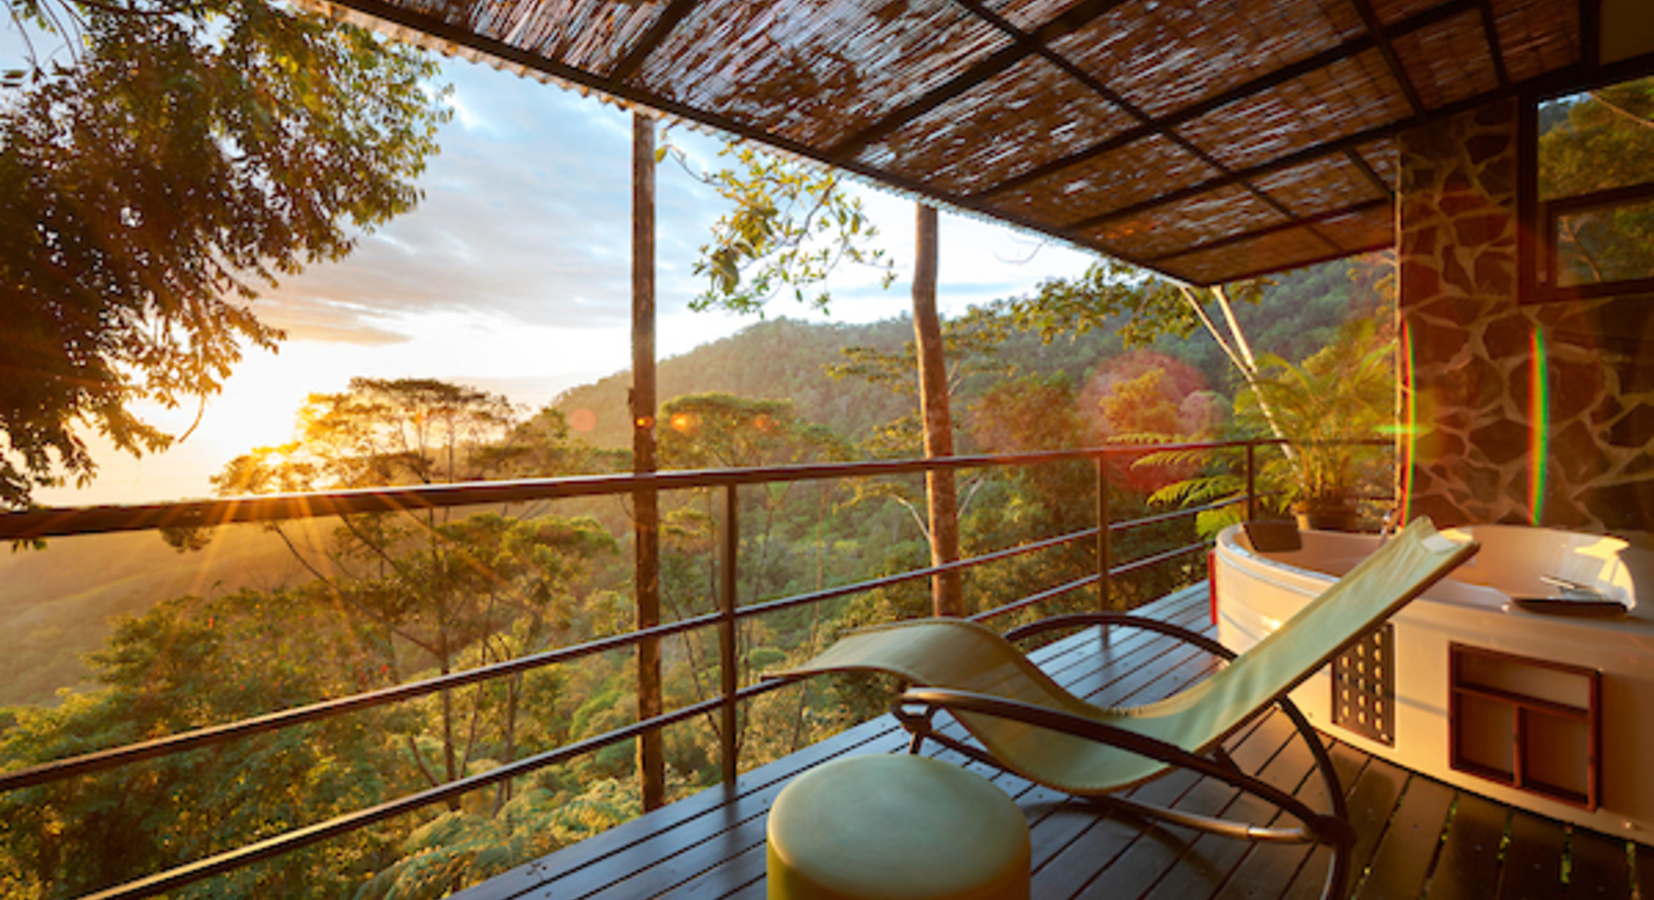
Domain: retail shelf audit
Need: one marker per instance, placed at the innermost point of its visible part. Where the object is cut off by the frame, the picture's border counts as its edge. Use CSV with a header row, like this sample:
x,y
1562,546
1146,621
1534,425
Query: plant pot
x,y
1337,516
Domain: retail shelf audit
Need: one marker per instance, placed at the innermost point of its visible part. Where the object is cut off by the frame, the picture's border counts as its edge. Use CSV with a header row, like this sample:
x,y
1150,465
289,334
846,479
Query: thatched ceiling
x,y
1208,139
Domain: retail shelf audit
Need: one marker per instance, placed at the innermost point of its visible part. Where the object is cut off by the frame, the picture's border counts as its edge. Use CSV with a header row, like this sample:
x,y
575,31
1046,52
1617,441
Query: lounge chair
x,y
1028,724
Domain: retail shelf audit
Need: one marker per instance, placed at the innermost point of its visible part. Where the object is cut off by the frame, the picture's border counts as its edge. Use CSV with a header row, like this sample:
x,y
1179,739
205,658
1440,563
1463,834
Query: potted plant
x,y
1325,408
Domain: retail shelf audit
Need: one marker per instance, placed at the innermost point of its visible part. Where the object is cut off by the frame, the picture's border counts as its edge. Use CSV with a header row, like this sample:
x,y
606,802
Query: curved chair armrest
x,y
1317,827
1081,620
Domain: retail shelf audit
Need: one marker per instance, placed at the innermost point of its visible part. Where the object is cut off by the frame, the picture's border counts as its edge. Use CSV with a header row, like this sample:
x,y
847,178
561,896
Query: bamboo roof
x,y
1207,139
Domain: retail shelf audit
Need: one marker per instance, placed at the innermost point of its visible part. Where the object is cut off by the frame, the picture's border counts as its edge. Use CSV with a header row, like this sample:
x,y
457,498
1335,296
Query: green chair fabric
x,y
895,827
966,656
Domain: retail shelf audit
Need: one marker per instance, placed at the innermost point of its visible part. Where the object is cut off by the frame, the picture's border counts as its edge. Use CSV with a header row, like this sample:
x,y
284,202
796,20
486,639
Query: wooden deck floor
x,y
1419,839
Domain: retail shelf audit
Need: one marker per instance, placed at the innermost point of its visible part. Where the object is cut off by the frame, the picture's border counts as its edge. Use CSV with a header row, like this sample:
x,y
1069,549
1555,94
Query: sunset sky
x,y
514,275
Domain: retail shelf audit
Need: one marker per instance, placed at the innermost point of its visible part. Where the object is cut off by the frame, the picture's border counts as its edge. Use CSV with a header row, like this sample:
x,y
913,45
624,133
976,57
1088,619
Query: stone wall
x,y
1489,384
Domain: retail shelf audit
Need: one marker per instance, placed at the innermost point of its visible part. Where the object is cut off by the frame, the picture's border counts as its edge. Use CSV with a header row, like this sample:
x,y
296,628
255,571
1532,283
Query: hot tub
x,y
1542,710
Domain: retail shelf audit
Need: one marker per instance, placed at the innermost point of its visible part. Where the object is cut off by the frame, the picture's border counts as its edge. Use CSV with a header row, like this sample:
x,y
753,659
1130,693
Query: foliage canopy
x,y
788,226
165,161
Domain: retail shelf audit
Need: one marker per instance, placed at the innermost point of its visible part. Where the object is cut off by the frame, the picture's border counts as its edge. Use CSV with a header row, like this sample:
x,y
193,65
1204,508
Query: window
x,y
1596,184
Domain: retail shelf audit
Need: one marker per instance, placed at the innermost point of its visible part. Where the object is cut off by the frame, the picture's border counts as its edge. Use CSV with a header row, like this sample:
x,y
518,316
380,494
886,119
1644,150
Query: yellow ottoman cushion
x,y
896,826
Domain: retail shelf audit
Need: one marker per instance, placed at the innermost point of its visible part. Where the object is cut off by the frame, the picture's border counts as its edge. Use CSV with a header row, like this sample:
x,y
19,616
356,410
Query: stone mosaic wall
x,y
1469,375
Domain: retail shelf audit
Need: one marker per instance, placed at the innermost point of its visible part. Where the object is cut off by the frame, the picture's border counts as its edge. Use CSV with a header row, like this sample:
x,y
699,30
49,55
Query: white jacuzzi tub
x,y
1548,712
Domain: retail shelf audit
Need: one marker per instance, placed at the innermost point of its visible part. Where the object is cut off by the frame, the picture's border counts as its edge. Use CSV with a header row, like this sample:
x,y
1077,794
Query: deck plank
x,y
1104,837
1598,867
1269,867
1371,804
1643,872
1469,860
1124,851
1211,860
1310,880
1533,859
1407,849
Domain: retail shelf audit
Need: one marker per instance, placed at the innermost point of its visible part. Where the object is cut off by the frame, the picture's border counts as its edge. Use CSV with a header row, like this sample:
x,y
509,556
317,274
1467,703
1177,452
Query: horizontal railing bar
x,y
191,740
1032,599
1181,513
106,759
162,882
58,770
69,521
769,606
1156,559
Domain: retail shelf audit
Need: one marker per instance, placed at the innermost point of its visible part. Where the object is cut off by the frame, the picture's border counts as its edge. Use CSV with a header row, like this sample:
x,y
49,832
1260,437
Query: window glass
x,y
1610,243
1597,140
1596,176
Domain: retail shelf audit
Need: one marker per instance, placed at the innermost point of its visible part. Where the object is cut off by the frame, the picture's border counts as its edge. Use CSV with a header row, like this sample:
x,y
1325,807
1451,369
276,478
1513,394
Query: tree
x,y
1332,401
724,431
383,432
1144,308
791,226
158,167
1148,397
970,348
186,664
1336,398
1028,503
426,586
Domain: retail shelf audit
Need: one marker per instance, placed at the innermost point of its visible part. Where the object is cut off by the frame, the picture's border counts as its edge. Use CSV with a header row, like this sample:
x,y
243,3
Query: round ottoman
x,y
895,826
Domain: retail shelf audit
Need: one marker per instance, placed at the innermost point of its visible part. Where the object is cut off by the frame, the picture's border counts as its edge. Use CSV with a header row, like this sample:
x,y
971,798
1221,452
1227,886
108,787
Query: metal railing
x,y
206,513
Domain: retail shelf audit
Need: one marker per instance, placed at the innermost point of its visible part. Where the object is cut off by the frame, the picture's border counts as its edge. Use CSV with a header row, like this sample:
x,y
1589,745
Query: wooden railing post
x,y
727,662
1105,546
1251,480
651,756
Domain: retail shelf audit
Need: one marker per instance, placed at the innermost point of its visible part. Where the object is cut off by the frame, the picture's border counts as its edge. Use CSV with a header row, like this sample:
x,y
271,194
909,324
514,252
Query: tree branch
x,y
1620,110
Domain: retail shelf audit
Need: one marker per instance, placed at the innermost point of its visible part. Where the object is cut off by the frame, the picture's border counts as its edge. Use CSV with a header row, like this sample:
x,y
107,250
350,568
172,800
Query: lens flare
x,y
1408,442
1539,434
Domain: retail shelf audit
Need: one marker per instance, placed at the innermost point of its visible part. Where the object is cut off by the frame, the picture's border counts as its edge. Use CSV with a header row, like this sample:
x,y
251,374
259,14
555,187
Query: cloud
x,y
326,321
526,218
526,213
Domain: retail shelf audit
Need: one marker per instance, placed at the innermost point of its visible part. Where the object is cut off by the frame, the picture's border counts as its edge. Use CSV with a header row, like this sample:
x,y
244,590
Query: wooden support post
x,y
728,658
651,759
1105,538
946,590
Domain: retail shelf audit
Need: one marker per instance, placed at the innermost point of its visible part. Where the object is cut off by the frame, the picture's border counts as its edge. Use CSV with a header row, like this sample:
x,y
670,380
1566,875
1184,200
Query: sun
x,y
257,407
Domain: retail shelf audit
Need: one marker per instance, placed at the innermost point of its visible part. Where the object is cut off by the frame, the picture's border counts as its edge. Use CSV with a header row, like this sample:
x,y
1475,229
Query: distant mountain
x,y
62,602
786,359
774,359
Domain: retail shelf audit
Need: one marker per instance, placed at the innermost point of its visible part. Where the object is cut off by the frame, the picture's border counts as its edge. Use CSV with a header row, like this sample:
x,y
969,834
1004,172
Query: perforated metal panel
x,y
1364,687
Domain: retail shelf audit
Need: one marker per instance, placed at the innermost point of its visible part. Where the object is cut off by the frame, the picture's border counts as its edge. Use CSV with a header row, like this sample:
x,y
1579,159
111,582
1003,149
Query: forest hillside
x,y
787,359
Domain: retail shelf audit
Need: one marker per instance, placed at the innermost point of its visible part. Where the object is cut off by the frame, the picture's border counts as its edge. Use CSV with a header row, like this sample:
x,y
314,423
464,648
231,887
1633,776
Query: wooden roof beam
x,y
1296,158
1023,45
657,35
1036,43
1346,50
1491,32
1388,51
1342,254
1245,236
1379,184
